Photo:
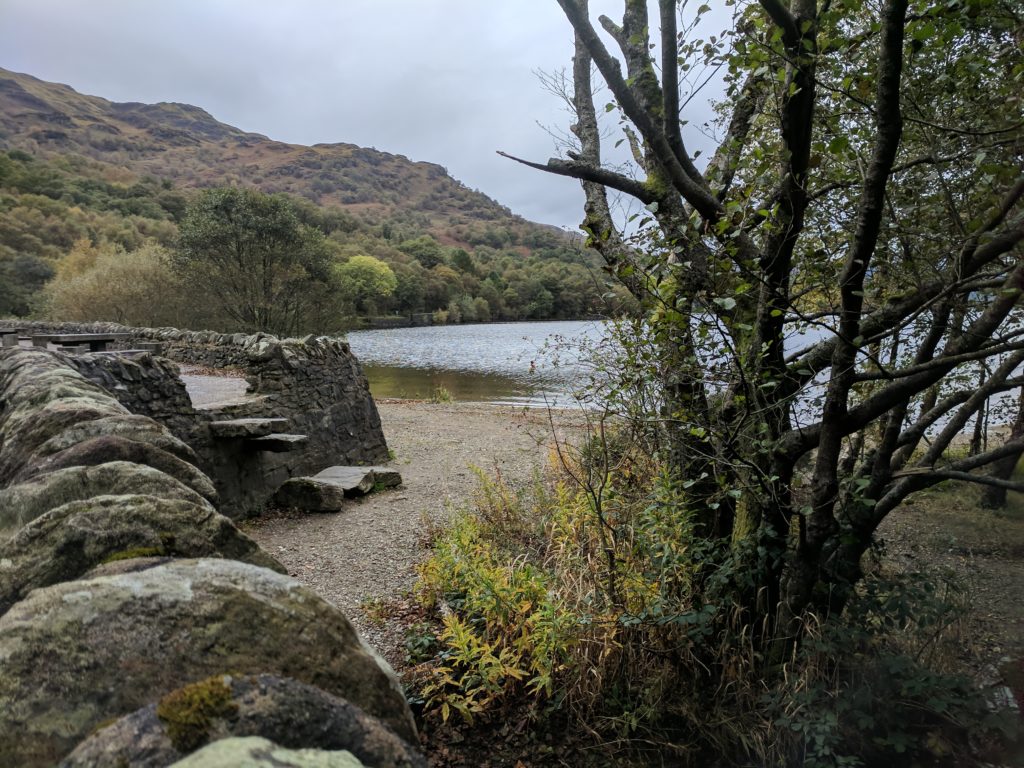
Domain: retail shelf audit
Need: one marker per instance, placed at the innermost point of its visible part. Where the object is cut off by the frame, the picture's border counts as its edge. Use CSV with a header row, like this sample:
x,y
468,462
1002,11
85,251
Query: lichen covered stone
x,y
77,654
64,543
288,713
24,502
254,752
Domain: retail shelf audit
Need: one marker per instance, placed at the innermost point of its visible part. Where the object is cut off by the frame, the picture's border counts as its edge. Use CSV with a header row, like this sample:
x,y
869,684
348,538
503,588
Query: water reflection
x,y
417,383
515,363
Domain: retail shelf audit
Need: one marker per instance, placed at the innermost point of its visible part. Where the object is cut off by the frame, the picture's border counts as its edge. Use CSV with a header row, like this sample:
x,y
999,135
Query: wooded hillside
x,y
81,169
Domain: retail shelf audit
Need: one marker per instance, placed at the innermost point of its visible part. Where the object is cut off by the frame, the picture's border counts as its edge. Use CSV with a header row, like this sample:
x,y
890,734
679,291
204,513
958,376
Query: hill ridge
x,y
188,145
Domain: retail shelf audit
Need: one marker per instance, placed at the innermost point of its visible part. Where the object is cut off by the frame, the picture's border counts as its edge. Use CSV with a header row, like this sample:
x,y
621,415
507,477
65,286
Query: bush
x,y
588,594
134,287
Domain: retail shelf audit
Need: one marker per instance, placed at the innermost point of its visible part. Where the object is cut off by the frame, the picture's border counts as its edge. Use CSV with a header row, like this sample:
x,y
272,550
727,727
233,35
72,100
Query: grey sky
x,y
446,81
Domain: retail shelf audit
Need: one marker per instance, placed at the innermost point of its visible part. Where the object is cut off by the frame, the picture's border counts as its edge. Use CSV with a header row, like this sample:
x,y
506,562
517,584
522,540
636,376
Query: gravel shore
x,y
368,552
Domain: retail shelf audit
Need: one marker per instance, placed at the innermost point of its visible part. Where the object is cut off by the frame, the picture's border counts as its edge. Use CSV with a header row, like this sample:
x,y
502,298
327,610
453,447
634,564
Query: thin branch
x,y
585,172
945,474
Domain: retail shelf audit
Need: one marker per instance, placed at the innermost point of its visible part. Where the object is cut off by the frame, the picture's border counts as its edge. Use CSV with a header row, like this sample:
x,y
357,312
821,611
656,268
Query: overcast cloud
x,y
445,81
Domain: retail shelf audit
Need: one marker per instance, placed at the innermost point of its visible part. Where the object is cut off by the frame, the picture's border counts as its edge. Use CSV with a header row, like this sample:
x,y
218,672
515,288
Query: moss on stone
x,y
188,712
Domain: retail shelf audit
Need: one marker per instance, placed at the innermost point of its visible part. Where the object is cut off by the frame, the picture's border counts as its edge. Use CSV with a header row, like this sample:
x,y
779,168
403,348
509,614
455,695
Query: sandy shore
x,y
369,551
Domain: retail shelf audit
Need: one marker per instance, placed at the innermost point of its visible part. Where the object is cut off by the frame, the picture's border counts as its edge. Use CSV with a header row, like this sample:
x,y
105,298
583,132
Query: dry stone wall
x,y
315,383
127,599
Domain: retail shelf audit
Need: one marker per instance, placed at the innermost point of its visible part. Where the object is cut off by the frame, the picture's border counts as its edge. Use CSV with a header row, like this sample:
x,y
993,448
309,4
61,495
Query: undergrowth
x,y
593,602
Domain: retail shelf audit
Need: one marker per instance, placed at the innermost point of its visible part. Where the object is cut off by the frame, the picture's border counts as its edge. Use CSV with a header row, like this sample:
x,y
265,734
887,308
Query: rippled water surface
x,y
519,363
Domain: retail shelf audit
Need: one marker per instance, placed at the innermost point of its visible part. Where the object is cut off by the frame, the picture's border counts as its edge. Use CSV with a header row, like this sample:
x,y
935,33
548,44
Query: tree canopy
x,y
250,253
364,280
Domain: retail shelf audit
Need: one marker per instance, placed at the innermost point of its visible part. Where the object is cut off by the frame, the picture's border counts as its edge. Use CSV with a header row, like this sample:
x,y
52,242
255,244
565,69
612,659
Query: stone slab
x,y
328,490
278,442
355,480
246,428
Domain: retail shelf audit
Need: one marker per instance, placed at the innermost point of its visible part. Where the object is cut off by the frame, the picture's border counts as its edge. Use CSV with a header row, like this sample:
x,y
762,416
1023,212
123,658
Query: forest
x,y
76,246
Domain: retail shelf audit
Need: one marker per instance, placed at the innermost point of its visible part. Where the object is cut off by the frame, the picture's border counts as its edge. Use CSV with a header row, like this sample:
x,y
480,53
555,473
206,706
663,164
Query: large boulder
x,y
285,711
141,429
42,397
31,426
67,541
78,654
254,752
108,448
24,502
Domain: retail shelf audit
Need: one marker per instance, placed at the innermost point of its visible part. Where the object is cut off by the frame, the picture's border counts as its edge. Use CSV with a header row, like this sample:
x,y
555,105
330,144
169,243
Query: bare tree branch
x,y
939,475
585,172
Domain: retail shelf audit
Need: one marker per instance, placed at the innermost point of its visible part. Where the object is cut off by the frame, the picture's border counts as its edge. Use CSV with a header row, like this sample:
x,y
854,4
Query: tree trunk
x,y
993,497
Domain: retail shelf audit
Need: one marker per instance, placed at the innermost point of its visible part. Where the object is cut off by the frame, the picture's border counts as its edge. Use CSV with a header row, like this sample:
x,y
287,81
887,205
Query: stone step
x,y
327,491
278,442
246,428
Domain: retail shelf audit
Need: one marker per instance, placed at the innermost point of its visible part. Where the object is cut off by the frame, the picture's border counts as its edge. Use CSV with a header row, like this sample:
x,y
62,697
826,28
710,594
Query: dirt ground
x,y
367,553
945,529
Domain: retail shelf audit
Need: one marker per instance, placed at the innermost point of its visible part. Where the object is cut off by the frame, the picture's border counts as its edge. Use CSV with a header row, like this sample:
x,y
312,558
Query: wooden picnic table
x,y
97,341
9,337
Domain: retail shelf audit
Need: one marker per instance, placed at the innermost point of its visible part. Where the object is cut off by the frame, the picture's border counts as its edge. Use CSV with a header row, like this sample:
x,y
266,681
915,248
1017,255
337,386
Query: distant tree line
x,y
77,244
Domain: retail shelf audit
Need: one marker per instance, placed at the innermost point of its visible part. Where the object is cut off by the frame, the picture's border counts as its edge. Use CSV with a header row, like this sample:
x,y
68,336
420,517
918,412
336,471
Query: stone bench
x,y
278,442
244,429
97,341
327,491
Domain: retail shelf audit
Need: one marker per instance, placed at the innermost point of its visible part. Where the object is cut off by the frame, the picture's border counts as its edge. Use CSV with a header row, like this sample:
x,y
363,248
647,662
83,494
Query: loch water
x,y
531,363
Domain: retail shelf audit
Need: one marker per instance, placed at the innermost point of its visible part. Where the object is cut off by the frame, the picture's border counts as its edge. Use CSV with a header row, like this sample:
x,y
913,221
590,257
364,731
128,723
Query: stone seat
x,y
327,490
278,442
235,429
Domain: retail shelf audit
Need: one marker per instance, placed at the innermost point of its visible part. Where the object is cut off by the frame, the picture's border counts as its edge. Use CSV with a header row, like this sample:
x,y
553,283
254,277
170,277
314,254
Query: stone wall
x,y
315,382
137,624
146,385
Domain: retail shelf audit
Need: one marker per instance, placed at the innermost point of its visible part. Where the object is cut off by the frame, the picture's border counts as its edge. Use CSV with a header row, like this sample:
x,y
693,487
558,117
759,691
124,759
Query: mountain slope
x,y
186,145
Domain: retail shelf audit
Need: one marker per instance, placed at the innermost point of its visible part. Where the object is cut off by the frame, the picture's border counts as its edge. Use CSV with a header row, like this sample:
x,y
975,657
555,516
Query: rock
x,y
285,711
107,448
27,430
81,653
385,477
254,752
356,481
242,428
24,502
326,491
311,495
278,442
66,542
42,396
116,567
141,429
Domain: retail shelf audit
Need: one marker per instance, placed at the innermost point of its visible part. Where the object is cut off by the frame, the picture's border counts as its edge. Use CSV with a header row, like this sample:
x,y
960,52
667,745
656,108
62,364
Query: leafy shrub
x,y
588,593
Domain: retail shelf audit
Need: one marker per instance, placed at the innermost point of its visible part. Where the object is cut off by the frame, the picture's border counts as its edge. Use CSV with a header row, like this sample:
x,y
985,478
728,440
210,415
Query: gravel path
x,y
369,551
214,391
